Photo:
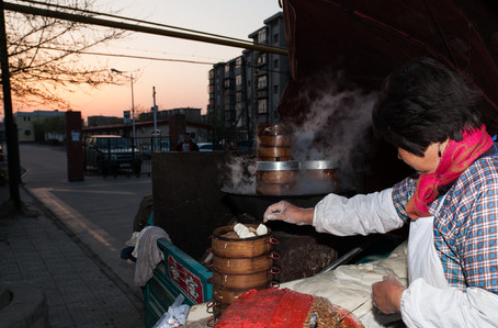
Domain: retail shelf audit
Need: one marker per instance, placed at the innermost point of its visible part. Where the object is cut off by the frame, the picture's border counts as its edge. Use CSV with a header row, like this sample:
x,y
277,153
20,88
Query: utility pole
x,y
154,108
10,126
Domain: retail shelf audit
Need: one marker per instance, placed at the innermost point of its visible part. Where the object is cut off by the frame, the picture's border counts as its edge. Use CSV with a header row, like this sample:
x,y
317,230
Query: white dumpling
x,y
243,234
237,227
243,231
262,230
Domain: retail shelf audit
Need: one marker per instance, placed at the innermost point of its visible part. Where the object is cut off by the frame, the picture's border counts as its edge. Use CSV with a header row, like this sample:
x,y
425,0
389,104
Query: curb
x,y
27,308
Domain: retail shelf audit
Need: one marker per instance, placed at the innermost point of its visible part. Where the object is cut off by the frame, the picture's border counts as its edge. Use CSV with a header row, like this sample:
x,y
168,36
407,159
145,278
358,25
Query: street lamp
x,y
132,98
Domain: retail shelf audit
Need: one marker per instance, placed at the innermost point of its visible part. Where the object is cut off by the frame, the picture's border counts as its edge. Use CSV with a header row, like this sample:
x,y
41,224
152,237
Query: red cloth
x,y
457,157
269,308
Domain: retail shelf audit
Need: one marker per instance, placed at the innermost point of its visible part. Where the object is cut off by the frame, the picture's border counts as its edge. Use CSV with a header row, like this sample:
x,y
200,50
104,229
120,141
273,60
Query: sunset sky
x,y
177,84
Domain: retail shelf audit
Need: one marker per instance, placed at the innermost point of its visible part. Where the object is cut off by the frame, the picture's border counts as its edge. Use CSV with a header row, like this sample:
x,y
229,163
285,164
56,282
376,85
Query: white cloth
x,y
350,286
430,301
148,254
423,259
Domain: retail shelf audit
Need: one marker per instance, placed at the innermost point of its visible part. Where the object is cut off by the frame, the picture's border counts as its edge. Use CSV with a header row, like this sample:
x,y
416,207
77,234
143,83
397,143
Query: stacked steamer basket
x,y
240,264
276,171
274,142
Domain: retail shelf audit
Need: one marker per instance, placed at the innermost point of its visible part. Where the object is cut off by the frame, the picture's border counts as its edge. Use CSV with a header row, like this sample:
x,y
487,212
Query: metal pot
x,y
321,175
319,165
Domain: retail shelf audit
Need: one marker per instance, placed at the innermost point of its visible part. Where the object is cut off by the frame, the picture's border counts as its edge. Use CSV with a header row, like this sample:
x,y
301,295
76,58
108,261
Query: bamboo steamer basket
x,y
274,141
242,281
276,178
223,295
275,159
240,265
240,248
283,177
274,152
273,130
243,265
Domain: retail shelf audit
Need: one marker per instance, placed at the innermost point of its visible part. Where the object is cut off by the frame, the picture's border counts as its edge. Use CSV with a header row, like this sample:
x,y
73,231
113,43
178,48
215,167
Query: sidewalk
x,y
80,291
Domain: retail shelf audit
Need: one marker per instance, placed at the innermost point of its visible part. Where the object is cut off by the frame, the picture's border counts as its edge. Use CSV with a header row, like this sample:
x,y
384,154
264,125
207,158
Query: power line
x,y
142,29
130,56
134,20
80,52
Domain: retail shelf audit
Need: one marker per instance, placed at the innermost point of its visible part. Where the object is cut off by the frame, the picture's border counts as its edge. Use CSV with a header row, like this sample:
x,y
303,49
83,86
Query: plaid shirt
x,y
466,226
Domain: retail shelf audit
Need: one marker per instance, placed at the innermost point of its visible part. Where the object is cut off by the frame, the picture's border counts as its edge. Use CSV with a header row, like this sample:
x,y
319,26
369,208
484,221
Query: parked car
x,y
243,145
205,146
109,153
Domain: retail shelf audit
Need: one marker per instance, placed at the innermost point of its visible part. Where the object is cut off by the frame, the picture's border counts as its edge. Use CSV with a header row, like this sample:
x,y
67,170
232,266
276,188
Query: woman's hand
x,y
386,295
284,211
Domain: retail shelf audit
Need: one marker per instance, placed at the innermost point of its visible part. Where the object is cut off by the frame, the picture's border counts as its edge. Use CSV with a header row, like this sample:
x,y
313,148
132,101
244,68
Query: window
x,y
275,63
275,89
238,80
238,97
211,74
262,108
275,38
227,68
262,36
262,82
238,62
261,60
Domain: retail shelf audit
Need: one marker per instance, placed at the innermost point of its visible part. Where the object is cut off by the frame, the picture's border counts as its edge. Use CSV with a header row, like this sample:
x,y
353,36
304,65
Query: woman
x,y
433,118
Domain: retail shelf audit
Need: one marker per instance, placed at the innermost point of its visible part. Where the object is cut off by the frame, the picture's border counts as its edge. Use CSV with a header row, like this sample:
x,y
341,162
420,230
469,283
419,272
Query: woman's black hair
x,y
425,102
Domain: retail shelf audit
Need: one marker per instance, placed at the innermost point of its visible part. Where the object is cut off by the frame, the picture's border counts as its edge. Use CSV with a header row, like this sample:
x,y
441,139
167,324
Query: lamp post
x,y
132,98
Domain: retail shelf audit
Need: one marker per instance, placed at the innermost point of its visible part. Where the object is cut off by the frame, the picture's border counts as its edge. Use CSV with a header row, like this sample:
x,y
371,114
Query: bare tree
x,y
45,54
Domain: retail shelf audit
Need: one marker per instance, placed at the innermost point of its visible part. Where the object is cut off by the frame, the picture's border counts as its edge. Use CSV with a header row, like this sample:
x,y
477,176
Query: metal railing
x,y
122,156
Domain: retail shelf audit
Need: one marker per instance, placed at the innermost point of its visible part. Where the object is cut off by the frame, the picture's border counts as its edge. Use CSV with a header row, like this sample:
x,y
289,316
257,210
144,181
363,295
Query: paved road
x,y
99,211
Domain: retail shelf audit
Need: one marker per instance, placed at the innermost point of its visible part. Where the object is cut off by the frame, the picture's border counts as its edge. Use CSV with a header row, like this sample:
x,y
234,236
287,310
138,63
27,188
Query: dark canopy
x,y
367,39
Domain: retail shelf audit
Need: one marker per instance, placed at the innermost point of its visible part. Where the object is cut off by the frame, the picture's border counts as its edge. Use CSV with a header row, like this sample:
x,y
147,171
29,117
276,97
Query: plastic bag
x,y
176,315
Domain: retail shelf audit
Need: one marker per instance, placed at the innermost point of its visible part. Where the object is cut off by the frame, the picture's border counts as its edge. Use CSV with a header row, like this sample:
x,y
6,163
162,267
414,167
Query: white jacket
x,y
422,305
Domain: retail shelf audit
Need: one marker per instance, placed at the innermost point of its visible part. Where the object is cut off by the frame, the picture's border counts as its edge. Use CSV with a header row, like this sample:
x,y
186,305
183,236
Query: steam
x,y
239,175
334,129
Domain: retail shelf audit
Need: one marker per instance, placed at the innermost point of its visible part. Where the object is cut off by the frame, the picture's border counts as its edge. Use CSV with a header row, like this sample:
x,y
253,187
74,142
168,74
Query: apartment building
x,y
246,90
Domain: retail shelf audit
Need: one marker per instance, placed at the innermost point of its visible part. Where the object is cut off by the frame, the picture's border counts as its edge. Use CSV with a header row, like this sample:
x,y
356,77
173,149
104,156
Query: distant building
x,y
104,120
27,123
171,124
191,114
246,90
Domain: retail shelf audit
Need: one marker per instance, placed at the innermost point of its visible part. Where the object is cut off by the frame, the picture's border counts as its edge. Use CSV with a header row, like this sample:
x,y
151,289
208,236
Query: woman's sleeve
x,y
361,214
423,305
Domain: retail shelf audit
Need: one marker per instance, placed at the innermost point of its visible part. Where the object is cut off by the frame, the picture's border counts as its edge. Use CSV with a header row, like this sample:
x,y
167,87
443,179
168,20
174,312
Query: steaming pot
x,y
276,178
322,174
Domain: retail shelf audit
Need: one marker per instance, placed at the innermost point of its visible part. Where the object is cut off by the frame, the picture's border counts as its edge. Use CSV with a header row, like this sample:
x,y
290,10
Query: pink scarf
x,y
457,157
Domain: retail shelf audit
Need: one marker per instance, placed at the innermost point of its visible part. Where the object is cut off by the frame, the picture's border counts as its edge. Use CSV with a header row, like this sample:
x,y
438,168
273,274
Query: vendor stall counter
x,y
349,286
